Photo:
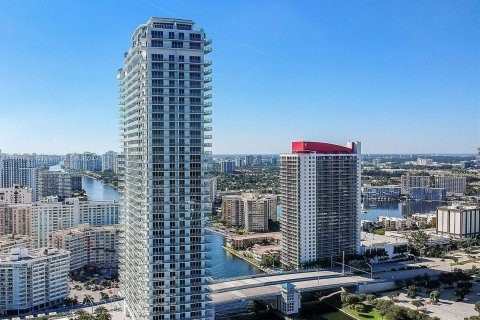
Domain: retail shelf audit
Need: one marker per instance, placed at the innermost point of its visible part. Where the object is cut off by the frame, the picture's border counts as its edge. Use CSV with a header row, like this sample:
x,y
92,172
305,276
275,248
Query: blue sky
x,y
400,76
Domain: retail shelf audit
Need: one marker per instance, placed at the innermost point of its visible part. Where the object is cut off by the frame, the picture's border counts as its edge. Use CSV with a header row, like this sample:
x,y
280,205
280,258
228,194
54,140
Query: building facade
x,y
16,194
460,222
108,160
10,241
432,194
250,210
321,202
452,184
164,115
381,192
35,279
227,166
88,246
57,183
408,181
53,215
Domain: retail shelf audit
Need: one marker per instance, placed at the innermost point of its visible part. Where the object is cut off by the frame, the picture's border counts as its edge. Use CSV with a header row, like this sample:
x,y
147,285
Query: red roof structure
x,y
319,147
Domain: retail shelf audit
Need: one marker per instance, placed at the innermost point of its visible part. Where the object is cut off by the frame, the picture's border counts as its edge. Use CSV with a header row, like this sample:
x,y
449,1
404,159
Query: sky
x,y
399,76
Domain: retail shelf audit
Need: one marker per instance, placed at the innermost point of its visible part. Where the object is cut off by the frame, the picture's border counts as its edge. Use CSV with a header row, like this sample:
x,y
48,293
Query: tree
x,y
459,293
418,241
412,291
68,301
88,299
104,296
382,306
82,315
434,296
349,299
417,303
477,306
44,317
393,295
101,313
370,297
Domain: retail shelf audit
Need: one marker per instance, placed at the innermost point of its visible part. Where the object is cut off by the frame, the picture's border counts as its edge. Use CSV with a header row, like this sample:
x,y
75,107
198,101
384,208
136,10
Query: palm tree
x,y
412,291
393,295
434,296
82,315
101,313
417,303
88,299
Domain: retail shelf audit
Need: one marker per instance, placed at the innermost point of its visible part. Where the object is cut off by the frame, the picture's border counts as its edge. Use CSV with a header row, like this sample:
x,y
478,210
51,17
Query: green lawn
x,y
371,315
241,256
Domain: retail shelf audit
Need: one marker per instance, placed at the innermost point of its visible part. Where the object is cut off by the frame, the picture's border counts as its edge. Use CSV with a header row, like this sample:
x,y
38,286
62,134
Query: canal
x,y
225,265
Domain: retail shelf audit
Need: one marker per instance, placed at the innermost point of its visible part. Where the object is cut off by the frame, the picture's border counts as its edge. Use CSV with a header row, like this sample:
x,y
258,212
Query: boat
x,y
364,211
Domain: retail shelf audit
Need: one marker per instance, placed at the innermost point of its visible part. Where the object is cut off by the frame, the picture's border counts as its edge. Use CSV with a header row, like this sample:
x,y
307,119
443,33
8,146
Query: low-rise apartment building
x,y
10,241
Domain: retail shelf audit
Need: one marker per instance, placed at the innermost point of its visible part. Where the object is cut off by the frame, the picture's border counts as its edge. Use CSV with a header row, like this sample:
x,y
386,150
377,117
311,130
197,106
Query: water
x,y
397,208
224,265
97,190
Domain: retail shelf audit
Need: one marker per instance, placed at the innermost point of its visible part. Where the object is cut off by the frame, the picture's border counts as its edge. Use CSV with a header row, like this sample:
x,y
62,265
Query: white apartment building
x,y
452,184
16,194
57,183
395,223
11,241
458,221
165,117
16,219
108,160
424,162
321,202
19,170
53,215
408,181
88,246
32,280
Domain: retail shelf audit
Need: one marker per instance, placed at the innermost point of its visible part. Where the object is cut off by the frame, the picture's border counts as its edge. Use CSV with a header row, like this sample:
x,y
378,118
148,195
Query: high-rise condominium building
x,y
408,181
32,280
57,183
320,199
452,184
164,117
19,170
52,215
88,246
249,210
108,160
16,194
227,166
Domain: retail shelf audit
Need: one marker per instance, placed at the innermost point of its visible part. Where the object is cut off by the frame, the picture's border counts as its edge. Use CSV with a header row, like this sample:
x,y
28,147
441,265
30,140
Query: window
x,y
157,57
157,34
157,43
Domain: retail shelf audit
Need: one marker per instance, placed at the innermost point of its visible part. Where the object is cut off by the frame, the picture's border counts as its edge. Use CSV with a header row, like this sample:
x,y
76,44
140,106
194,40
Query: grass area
x,y
241,256
464,262
370,314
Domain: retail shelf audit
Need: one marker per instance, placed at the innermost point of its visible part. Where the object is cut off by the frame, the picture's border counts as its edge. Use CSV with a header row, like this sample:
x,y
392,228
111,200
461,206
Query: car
x,y
442,260
465,299
478,294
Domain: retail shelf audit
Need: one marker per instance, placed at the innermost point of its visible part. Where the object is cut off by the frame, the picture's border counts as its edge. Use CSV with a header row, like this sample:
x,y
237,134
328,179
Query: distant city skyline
x,y
402,77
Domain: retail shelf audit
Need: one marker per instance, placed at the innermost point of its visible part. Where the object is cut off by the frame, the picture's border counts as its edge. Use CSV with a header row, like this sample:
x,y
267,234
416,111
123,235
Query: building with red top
x,y
321,202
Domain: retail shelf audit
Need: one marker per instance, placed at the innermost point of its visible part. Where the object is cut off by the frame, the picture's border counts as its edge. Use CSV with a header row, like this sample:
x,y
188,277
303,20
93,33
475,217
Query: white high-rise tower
x,y
164,123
